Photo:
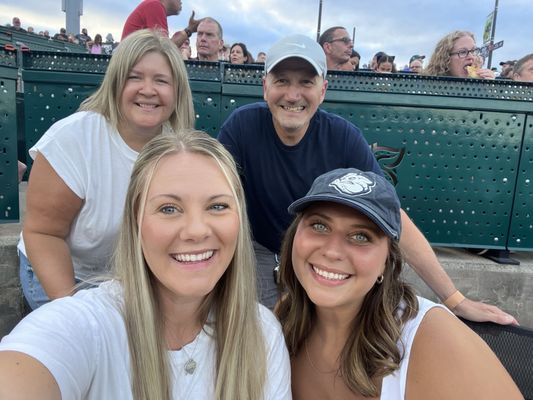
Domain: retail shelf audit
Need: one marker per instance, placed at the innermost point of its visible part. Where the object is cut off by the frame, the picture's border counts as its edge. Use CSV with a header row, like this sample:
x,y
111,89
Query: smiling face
x,y
147,101
190,227
337,255
293,91
458,65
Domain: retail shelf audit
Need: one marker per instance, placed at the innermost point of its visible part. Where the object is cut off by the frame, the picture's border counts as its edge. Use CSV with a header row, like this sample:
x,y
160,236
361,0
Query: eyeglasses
x,y
345,40
463,53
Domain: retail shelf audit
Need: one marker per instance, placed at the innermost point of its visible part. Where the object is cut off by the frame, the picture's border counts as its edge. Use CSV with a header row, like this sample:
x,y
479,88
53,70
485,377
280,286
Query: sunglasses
x,y
345,40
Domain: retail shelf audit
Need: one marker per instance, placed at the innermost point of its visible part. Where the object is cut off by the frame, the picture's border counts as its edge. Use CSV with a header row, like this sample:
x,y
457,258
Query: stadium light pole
x,y
319,20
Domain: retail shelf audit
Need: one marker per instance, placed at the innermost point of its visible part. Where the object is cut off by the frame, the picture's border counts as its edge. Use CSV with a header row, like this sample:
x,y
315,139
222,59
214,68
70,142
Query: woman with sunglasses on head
x,y
455,55
179,318
354,329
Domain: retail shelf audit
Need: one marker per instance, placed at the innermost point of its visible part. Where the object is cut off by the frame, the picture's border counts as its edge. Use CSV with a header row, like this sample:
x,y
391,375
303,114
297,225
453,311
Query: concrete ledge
x,y
509,287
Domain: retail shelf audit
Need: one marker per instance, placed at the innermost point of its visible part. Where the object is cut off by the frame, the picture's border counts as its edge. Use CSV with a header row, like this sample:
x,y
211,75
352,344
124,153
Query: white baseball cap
x,y
299,46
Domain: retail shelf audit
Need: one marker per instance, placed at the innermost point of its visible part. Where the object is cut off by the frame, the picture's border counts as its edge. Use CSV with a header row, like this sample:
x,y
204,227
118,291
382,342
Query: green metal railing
x,y
9,199
458,151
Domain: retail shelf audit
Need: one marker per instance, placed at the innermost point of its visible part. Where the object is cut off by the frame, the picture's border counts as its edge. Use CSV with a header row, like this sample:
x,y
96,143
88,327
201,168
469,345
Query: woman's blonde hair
x,y
241,355
106,99
371,350
439,64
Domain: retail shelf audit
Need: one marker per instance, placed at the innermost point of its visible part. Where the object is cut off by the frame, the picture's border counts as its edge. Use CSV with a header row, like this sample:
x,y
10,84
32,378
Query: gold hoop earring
x,y
379,281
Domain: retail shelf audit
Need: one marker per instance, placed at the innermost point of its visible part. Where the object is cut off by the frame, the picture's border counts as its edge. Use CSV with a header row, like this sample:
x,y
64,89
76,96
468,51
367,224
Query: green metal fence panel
x,y
51,96
241,85
458,151
9,199
521,230
205,82
454,170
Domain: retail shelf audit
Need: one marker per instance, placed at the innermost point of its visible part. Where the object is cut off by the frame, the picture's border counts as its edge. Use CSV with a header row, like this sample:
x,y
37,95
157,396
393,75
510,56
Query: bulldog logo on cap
x,y
353,184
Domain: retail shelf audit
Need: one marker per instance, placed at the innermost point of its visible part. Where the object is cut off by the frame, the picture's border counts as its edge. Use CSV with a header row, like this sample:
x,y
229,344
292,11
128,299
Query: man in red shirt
x,y
152,14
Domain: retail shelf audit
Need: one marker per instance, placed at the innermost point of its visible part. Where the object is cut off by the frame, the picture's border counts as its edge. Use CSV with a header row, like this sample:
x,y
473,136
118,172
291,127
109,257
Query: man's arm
x,y
421,257
181,36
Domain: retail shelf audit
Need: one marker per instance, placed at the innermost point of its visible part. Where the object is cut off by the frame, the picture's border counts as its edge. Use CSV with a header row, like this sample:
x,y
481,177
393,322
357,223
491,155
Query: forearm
x,y
51,261
421,257
179,38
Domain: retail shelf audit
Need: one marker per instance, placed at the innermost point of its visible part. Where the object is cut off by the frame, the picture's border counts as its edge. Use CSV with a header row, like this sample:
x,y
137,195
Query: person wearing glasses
x,y
338,46
455,55
385,64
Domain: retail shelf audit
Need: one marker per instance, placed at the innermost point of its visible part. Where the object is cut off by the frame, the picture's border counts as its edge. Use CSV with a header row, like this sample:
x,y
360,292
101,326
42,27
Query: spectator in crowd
x,y
83,37
374,62
455,55
185,50
261,58
385,64
83,163
16,26
354,329
46,34
30,29
109,45
72,38
507,69
238,53
184,325
209,40
152,14
62,35
95,46
223,53
306,142
523,69
416,64
338,46
355,58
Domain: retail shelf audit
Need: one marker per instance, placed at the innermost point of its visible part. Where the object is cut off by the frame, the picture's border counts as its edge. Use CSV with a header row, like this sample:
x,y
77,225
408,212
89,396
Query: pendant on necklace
x,y
190,366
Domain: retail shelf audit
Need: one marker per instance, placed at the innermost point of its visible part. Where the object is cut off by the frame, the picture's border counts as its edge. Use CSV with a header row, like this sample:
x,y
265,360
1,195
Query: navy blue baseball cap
x,y
367,192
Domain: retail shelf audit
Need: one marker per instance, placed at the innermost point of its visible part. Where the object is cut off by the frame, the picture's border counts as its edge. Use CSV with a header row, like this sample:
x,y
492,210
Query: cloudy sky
x,y
398,27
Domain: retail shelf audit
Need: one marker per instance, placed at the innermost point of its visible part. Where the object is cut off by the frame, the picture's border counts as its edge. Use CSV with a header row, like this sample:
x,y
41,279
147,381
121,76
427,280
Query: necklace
x,y
313,365
190,365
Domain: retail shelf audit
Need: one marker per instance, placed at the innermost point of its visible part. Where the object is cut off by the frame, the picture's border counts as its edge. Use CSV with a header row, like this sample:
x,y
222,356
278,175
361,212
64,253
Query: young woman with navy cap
x,y
353,328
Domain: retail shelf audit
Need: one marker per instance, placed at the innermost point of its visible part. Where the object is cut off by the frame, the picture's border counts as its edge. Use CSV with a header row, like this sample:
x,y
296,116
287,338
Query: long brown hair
x,y
371,350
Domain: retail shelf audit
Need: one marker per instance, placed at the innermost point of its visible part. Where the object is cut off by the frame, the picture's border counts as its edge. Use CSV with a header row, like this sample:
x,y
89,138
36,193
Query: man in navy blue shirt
x,y
283,145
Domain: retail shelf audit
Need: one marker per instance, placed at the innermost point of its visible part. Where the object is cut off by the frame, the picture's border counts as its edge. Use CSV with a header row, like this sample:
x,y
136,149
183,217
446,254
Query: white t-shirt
x,y
82,341
393,386
93,160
